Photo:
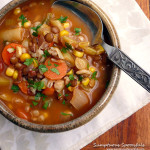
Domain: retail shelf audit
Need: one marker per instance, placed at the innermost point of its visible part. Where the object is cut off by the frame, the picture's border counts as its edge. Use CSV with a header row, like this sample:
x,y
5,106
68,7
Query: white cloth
x,y
134,32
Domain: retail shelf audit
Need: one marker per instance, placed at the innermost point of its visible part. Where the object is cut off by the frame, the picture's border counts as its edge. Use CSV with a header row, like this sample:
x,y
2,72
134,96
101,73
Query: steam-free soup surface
x,y
49,71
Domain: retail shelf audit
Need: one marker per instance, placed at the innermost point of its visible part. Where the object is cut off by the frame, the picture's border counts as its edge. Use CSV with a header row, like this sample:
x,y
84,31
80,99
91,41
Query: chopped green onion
x,y
63,19
77,31
43,68
55,71
15,88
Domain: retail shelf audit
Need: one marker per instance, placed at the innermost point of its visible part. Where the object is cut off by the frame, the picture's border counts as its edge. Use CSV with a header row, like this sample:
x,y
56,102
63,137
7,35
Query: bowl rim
x,y
97,108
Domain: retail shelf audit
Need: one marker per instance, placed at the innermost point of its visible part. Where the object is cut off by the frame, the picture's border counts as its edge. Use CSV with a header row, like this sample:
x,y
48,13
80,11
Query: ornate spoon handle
x,y
128,66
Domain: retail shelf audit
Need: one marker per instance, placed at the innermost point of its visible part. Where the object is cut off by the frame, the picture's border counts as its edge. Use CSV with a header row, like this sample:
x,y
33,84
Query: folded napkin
x,y
133,29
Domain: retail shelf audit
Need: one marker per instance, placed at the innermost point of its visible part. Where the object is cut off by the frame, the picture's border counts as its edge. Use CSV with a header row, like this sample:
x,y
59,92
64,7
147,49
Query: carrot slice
x,y
56,70
21,114
6,55
23,86
48,91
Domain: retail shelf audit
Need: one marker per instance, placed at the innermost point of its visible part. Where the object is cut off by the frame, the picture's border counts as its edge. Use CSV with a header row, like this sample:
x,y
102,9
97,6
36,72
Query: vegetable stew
x,y
49,71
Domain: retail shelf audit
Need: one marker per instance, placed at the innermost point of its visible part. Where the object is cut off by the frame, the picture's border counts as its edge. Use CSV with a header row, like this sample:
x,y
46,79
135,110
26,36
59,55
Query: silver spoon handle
x,y
128,66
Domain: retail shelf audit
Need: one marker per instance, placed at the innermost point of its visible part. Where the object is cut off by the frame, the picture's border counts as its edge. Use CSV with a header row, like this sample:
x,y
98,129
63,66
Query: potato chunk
x,y
12,34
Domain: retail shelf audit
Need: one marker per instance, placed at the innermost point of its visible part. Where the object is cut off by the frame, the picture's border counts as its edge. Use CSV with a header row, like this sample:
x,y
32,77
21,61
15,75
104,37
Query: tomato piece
x,y
6,55
48,91
56,70
23,85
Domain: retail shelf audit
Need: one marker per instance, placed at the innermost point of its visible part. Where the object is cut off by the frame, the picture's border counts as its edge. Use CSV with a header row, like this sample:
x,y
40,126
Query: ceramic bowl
x,y
113,37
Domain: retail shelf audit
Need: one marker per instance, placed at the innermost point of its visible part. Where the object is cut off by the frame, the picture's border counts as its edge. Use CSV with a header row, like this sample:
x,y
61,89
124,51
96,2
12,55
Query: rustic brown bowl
x,y
98,106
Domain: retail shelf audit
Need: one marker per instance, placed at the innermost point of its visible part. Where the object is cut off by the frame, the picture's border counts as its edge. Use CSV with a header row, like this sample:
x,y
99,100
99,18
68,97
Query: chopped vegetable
x,y
67,48
85,81
37,85
77,31
94,75
68,85
63,33
10,71
81,63
64,102
65,114
63,19
40,95
66,94
56,65
15,34
36,30
23,19
29,61
46,53
35,103
79,99
80,78
53,73
46,104
6,55
88,66
43,68
25,56
77,53
23,86
71,77
48,91
15,88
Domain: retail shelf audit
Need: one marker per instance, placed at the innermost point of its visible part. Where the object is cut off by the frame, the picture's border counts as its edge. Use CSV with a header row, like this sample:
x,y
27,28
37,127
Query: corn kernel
x,y
17,11
85,81
45,114
77,53
15,75
35,63
10,71
27,24
70,88
25,56
64,32
70,72
66,25
92,69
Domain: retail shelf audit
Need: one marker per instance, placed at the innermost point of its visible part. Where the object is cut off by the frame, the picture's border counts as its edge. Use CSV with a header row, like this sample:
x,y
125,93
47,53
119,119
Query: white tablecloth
x,y
134,32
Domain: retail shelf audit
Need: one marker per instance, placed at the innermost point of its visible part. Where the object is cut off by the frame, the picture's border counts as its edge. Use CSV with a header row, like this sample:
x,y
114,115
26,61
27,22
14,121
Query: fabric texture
x,y
133,29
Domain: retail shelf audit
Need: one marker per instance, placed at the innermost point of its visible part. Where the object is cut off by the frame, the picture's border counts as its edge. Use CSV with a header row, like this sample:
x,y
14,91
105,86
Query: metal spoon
x,y
93,20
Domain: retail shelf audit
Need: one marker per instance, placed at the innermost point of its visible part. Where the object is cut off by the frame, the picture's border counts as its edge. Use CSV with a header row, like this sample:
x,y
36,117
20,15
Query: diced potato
x,y
4,81
12,34
79,99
